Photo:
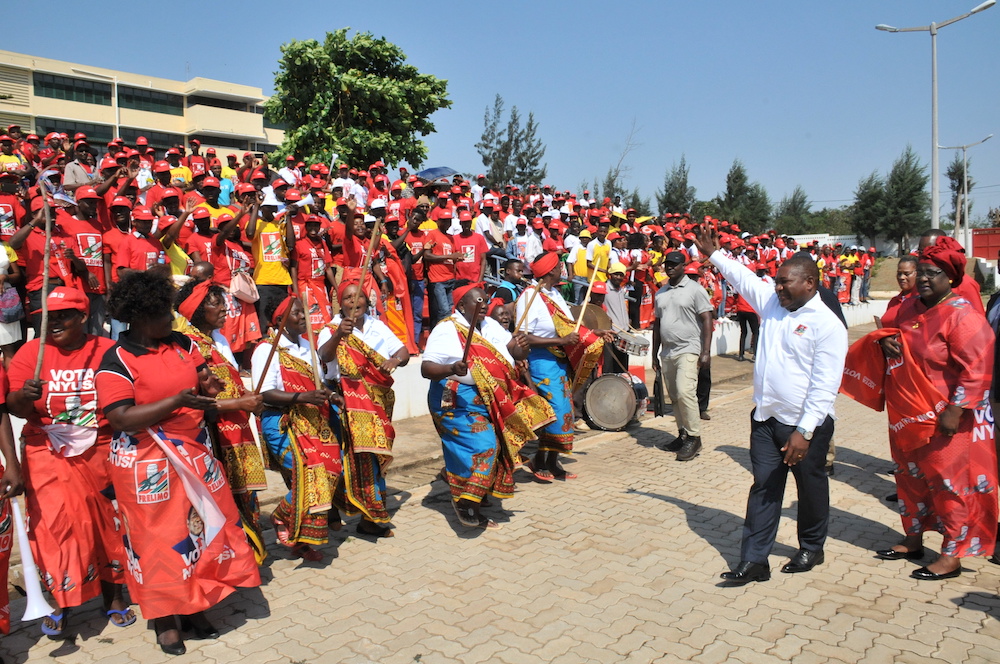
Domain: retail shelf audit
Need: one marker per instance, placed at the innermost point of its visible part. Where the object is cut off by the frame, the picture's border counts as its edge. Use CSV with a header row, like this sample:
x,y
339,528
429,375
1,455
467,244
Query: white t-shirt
x,y
376,335
539,322
273,380
445,346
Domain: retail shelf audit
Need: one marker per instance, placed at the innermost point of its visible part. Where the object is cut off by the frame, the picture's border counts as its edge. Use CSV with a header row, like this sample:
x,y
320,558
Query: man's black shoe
x,y
746,572
690,449
803,561
676,444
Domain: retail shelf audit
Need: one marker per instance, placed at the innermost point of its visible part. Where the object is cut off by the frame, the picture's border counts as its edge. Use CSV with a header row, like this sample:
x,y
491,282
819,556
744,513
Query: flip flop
x,y
488,524
306,552
563,474
57,619
543,475
469,520
121,614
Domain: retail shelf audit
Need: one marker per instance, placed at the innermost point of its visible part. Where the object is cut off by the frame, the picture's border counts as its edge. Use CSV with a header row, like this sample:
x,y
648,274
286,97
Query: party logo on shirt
x,y
800,330
152,482
211,473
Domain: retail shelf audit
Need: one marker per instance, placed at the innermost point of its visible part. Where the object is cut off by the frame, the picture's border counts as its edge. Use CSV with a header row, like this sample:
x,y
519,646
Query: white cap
x,y
270,198
377,203
369,219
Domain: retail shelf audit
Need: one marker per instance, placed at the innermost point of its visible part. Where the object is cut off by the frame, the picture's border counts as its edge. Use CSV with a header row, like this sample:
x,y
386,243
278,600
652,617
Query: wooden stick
x,y
531,300
317,379
472,329
366,261
274,349
586,298
44,326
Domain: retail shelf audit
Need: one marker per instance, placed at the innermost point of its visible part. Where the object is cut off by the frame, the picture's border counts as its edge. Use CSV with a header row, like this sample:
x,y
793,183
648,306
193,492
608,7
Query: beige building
x,y
44,95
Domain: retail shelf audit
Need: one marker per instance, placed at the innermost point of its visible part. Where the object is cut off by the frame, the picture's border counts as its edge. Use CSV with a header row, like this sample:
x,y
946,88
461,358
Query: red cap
x,y
480,176
293,195
86,192
62,298
342,201
245,188
871,249
691,268
141,141
396,186
194,141
143,213
223,218
80,136
170,192
343,166
174,151
201,213
456,190
290,157
121,201
108,162
210,151
465,215
413,178
442,194
161,167
258,175
211,181
599,288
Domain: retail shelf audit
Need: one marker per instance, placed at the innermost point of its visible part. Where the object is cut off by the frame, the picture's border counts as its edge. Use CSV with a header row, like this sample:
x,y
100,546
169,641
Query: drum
x,y
613,401
633,344
594,318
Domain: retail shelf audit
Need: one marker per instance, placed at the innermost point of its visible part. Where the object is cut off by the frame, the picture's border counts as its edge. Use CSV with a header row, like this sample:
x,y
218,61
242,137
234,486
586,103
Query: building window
x,y
266,148
72,89
150,100
157,139
218,141
97,134
197,100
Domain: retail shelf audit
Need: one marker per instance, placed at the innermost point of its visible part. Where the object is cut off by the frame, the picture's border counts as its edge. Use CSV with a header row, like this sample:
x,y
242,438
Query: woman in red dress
x,y
184,544
906,277
65,465
947,482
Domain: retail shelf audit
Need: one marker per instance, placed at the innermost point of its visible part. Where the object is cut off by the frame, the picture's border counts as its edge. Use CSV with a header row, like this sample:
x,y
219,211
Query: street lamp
x,y
933,28
114,93
966,232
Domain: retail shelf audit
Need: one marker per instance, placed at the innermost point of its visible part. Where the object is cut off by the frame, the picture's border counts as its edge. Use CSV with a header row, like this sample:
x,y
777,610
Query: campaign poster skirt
x,y
73,525
474,463
242,327
550,376
171,567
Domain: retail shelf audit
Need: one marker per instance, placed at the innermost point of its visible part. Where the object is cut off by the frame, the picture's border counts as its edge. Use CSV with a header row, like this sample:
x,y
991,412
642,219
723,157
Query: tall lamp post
x,y
967,231
114,94
933,28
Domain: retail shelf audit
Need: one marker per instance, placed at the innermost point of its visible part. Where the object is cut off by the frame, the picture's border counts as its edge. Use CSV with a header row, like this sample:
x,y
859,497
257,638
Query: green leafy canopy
x,y
355,97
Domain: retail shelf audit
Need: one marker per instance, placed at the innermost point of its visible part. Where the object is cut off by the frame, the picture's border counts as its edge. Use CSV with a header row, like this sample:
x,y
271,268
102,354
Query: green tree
x,y
793,212
756,212
355,97
638,203
835,221
868,210
677,195
732,201
955,172
907,202
702,209
511,155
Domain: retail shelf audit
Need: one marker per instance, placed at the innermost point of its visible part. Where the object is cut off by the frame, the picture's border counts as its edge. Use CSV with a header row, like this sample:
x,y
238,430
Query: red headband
x,y
948,255
544,264
282,309
194,300
352,277
459,293
494,303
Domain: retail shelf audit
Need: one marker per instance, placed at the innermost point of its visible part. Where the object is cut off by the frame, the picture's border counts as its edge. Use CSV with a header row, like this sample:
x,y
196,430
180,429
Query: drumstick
x,y
472,329
274,348
44,325
317,379
365,263
531,300
586,298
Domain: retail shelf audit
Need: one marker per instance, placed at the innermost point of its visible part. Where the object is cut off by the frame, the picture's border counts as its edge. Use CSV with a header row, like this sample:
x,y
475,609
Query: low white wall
x,y
411,388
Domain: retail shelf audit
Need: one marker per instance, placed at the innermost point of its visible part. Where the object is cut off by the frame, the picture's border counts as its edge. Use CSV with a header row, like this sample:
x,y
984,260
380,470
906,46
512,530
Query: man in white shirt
x,y
798,369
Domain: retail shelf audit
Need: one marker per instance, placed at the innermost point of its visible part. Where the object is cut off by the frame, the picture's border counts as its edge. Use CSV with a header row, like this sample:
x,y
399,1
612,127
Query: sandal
x,y
561,473
374,530
306,552
59,621
488,524
468,517
542,475
127,616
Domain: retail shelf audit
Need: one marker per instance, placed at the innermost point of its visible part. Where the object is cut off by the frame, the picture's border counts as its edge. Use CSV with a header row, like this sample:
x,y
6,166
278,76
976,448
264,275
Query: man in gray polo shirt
x,y
681,344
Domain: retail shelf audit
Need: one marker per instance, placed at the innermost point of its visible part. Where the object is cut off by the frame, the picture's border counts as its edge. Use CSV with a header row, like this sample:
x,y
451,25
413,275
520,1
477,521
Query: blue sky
x,y
805,93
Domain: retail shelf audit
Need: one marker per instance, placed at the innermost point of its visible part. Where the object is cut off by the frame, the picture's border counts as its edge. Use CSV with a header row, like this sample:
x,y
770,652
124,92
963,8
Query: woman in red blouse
x,y
184,545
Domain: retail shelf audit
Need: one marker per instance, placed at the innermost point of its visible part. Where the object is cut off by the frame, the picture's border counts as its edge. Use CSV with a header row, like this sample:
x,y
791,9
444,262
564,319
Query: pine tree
x,y
677,195
907,202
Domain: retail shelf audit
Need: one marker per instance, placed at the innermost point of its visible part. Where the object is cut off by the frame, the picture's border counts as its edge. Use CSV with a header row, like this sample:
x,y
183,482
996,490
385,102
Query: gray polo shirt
x,y
677,309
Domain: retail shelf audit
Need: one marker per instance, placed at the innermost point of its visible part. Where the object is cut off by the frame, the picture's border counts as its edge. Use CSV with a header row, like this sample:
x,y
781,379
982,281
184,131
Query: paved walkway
x,y
620,565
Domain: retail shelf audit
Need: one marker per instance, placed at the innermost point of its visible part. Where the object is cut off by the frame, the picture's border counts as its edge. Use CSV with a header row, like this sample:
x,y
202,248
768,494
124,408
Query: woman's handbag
x,y
11,307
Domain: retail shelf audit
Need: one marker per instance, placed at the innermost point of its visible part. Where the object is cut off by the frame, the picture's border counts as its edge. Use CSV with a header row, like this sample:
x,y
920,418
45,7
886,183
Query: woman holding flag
x,y
362,352
185,550
561,358
482,413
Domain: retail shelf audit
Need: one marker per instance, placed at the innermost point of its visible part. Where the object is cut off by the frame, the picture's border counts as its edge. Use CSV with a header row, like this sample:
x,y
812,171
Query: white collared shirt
x,y
273,380
376,336
800,354
539,321
445,346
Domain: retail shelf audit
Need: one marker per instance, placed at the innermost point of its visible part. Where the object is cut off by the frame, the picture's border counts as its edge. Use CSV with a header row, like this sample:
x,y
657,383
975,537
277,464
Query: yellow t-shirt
x,y
180,175
580,268
602,256
270,255
230,173
11,162
215,212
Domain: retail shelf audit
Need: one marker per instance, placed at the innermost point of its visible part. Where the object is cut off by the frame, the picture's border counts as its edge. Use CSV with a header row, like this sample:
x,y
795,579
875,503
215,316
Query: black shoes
x,y
747,572
892,498
803,561
924,574
705,416
676,444
690,448
892,554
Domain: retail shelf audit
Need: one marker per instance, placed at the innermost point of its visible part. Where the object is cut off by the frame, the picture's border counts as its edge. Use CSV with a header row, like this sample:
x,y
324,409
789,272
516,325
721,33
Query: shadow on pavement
x,y
988,603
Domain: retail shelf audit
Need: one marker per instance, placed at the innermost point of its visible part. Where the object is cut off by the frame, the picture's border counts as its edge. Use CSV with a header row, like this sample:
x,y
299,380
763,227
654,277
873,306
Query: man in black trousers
x,y
798,369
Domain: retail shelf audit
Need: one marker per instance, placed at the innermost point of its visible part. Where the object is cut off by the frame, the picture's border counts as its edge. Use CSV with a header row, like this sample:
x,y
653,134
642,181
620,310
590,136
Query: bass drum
x,y
613,401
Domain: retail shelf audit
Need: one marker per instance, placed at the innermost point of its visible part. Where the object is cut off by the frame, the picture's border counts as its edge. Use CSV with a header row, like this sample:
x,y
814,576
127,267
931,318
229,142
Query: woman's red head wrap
x,y
352,277
545,263
494,303
460,292
282,309
194,300
947,254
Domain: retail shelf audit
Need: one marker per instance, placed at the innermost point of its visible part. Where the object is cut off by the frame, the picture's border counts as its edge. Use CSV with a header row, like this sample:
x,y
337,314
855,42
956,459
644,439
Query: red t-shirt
x,y
400,207
11,215
336,233
69,394
443,245
473,247
136,252
33,252
312,257
197,165
88,246
203,244
232,257
416,240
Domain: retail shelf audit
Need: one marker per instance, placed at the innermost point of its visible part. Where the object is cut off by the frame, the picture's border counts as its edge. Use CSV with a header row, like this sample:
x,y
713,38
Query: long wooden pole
x,y
274,349
537,287
317,379
369,252
44,326
586,298
472,329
